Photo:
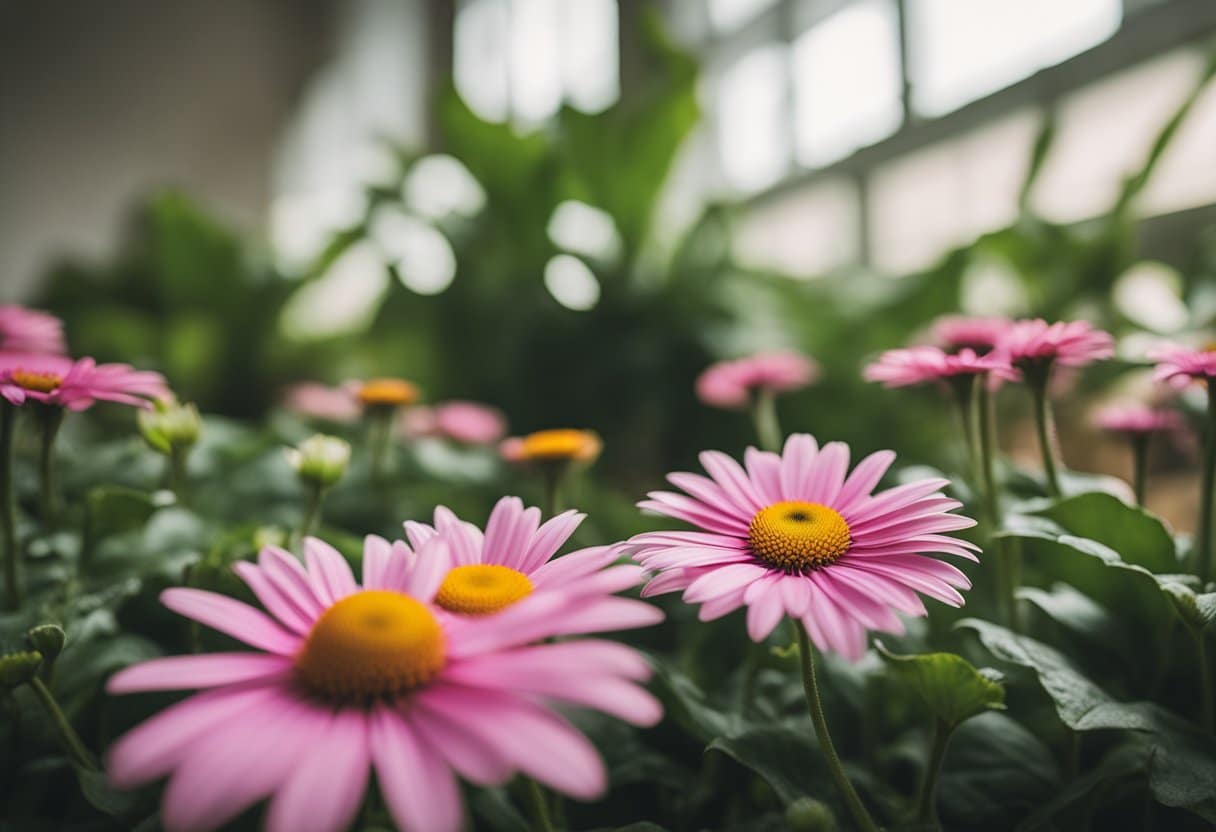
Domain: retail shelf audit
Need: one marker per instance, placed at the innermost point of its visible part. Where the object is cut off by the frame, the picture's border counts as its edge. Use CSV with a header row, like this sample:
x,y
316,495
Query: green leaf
x,y
952,688
115,509
785,757
1120,763
99,794
1196,610
1139,537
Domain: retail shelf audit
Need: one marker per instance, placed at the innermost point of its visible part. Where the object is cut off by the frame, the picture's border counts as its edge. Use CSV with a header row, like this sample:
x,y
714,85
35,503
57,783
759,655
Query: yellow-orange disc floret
x,y
797,536
482,588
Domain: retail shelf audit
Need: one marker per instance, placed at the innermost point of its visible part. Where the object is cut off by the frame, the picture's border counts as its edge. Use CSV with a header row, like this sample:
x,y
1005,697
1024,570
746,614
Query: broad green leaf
x,y
1076,612
117,804
952,688
1116,765
115,509
1197,610
1139,537
687,705
785,757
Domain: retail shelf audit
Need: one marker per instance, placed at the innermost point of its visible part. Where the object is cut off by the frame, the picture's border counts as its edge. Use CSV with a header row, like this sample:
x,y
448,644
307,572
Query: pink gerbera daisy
x,y
320,401
957,332
76,384
792,534
1031,344
469,423
29,330
1178,365
1137,419
920,365
349,679
731,384
514,559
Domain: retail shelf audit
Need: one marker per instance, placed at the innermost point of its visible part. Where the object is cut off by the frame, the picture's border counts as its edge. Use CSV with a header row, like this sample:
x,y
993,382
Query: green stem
x,y
553,474
1005,563
540,807
64,732
178,482
1207,698
312,510
965,391
810,686
8,510
50,418
1139,466
1043,425
380,441
764,417
1203,536
926,804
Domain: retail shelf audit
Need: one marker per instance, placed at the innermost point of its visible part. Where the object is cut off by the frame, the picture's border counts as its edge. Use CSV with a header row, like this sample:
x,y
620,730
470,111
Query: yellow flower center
x,y
559,445
390,392
38,382
797,536
369,645
482,588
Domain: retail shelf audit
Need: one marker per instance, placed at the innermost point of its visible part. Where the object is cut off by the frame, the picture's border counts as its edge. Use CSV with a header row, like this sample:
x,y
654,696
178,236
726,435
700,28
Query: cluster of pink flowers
x,y
441,663
1134,419
732,384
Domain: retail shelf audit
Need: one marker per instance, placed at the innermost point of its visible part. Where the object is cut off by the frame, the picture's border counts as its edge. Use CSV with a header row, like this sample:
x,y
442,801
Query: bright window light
x,y
805,233
480,55
440,185
584,229
302,225
726,15
751,119
571,283
422,255
1186,173
535,59
342,301
965,49
1104,134
589,55
1150,294
847,82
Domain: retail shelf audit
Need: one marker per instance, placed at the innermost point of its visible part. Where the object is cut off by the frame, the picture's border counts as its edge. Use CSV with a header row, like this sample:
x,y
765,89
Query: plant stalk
x,y
312,510
764,417
1043,425
64,732
1207,697
1006,562
13,589
926,803
50,419
810,686
1140,444
1203,536
540,807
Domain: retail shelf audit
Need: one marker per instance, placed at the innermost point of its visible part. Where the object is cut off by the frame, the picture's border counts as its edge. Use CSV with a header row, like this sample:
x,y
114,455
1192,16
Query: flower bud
x,y
809,815
169,426
320,460
18,668
47,639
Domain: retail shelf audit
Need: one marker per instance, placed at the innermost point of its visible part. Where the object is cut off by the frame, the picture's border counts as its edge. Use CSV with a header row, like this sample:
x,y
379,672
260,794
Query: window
x,y
726,15
1186,173
847,85
805,233
962,50
752,119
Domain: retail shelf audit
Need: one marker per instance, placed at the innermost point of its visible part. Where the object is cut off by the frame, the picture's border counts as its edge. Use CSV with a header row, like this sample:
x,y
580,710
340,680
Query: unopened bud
x,y
47,639
18,668
320,460
169,426
809,815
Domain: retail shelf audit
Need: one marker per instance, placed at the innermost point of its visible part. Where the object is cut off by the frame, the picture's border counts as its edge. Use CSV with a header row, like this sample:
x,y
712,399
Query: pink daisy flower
x,y
469,423
29,330
796,534
320,401
1178,366
1035,343
957,332
514,559
76,384
347,679
1137,419
920,365
730,384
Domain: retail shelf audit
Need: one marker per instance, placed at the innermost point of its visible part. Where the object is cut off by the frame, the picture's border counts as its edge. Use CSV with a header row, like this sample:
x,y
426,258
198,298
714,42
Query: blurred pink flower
x,y
76,384
1068,343
346,679
1137,419
471,423
919,365
320,401
957,332
1178,365
29,330
796,534
730,384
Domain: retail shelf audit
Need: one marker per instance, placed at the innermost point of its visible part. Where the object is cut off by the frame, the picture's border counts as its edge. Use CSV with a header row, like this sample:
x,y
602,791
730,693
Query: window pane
x,y
962,50
536,77
804,233
590,63
1186,173
480,46
752,117
847,82
731,14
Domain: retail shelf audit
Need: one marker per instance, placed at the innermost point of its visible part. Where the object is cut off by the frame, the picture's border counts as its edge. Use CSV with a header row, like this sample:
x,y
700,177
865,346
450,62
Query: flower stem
x,y
50,418
540,807
64,732
926,803
1006,562
1203,536
965,391
8,510
1139,466
1043,424
553,475
380,441
312,510
810,686
178,482
1207,698
764,417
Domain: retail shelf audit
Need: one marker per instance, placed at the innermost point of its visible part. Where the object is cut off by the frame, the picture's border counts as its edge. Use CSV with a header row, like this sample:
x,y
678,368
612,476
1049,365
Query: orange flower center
x,y
795,536
482,588
390,392
565,444
369,645
38,382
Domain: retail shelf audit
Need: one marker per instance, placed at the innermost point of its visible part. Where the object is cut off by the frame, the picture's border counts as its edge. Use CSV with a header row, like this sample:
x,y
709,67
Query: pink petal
x,y
827,473
231,617
464,539
862,481
764,615
267,591
329,572
418,533
433,563
573,567
327,786
466,752
416,783
203,671
796,462
732,479
722,580
764,469
550,537
289,576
